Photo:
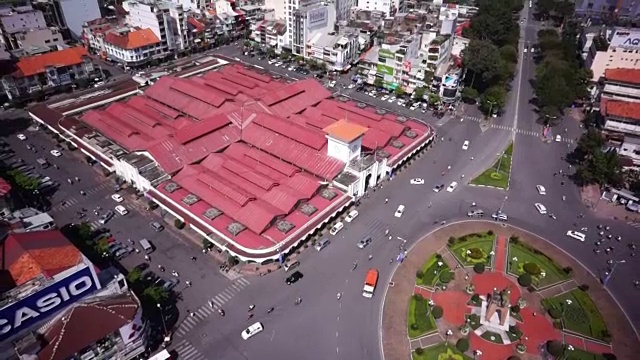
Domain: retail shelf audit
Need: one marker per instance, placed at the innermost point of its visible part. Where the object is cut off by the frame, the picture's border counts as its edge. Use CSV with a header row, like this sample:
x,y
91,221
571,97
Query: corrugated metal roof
x,y
283,198
142,102
282,94
226,188
200,92
244,172
257,215
306,136
205,126
304,184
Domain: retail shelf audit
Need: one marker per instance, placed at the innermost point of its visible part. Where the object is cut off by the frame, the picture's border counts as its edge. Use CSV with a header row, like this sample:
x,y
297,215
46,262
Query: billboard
x,y
317,18
384,69
46,302
626,39
387,54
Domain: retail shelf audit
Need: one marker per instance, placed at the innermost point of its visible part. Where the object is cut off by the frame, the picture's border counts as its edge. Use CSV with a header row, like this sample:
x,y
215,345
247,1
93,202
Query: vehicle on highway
x,y
370,283
437,188
121,210
321,244
291,265
364,243
452,186
558,138
351,216
56,153
475,213
22,137
106,217
576,235
252,330
293,278
465,145
417,181
117,198
399,211
156,226
499,216
336,228
541,209
541,190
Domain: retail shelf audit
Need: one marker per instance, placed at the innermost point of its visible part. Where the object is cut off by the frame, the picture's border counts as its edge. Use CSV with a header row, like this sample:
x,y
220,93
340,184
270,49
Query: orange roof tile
x,y
132,39
345,131
624,109
32,65
624,75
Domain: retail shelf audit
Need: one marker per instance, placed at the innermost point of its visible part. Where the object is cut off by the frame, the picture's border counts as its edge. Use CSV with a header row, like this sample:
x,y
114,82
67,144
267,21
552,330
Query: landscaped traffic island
x,y
498,174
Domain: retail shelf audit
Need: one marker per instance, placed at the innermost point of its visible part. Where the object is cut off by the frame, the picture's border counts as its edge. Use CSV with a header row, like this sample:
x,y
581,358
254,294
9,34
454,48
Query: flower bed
x,y
431,270
543,270
579,314
472,249
419,319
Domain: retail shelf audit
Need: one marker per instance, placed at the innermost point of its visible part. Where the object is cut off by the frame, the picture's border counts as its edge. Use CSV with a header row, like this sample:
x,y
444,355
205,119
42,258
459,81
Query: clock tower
x,y
344,140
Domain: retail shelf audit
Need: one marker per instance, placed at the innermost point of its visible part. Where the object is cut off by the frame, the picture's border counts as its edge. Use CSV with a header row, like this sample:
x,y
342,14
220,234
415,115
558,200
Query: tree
x,y
603,168
418,93
378,82
550,115
493,100
509,54
494,23
483,60
469,94
555,348
247,33
589,143
156,294
84,232
433,99
271,53
399,91
23,182
134,275
101,247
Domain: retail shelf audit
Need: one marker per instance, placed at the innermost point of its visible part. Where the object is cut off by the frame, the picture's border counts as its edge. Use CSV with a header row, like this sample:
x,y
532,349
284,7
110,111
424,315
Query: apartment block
x,y
167,20
69,15
132,47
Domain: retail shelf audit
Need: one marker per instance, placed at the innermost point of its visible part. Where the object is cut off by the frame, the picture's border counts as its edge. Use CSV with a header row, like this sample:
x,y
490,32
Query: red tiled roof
x,y
85,323
32,65
133,39
623,109
623,75
27,255
198,26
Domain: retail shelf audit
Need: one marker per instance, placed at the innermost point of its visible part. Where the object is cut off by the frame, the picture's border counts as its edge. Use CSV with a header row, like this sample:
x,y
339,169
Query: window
x,y
47,41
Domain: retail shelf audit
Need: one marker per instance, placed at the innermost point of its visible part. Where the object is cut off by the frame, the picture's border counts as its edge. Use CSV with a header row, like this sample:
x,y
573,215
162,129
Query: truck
x,y
370,283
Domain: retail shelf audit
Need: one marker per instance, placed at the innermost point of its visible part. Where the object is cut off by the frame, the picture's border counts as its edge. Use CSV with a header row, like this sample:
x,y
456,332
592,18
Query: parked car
x,y
293,278
364,243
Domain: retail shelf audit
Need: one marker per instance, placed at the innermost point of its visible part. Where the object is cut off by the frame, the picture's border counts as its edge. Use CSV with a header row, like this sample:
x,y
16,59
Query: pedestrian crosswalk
x,y
67,201
517,131
634,224
186,351
205,310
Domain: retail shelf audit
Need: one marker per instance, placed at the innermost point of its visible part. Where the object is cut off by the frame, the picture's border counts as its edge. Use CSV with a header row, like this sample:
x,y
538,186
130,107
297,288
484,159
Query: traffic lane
x,y
390,107
264,65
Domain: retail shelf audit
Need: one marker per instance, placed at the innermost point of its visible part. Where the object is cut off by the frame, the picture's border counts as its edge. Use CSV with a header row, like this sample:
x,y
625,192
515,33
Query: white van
x,y
146,246
336,228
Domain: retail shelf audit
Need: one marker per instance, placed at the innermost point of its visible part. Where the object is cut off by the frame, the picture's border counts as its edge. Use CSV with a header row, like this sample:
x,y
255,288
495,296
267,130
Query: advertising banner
x,y
46,302
317,18
387,54
385,69
626,39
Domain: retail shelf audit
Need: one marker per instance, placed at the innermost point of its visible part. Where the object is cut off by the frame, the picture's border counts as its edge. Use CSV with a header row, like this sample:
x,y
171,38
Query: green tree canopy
x,y
509,54
469,94
23,182
156,294
483,60
399,91
418,93
378,82
493,100
494,22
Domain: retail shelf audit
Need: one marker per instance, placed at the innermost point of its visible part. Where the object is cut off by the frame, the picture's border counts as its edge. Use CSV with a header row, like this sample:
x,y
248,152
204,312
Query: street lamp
x,y
505,198
606,280
476,354
164,325
491,254
491,103
448,333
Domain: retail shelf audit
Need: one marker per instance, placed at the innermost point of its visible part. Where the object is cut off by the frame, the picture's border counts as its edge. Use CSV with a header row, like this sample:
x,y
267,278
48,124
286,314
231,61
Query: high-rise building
x,y
343,7
166,19
69,15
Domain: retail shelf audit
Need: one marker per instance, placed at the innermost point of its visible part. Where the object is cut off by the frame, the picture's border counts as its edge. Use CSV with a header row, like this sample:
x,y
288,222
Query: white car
x,y
452,186
351,86
417,181
121,210
414,107
384,98
336,228
400,211
541,209
558,138
351,216
576,235
22,137
525,50
252,330
392,99
541,190
56,153
332,84
117,198
400,102
465,145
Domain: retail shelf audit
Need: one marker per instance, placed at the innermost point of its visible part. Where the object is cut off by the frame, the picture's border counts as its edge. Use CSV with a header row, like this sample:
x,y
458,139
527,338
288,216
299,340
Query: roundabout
x,y
478,289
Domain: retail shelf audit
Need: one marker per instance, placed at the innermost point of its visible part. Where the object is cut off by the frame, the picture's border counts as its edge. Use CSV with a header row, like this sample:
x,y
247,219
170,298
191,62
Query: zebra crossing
x,y
634,224
186,351
205,310
68,202
517,131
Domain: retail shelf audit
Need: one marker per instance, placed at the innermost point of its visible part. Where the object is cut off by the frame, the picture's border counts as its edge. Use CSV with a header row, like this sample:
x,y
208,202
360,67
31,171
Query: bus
x,y
370,283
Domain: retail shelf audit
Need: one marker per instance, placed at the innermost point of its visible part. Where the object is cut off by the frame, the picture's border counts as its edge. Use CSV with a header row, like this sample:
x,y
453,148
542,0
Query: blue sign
x,y
46,302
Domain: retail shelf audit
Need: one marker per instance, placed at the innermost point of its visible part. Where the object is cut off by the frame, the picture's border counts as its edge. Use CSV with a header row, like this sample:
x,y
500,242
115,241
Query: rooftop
x,y
130,40
32,65
623,109
623,75
345,131
247,153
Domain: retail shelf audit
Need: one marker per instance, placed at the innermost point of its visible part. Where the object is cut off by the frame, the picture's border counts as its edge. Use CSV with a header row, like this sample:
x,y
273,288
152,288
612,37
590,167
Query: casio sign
x,y
47,301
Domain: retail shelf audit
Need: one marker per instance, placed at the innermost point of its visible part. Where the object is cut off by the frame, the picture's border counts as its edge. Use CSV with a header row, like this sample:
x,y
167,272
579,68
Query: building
x,y
132,47
37,41
601,9
5,190
270,33
309,22
611,49
392,61
343,8
167,21
280,8
254,164
47,72
53,300
388,7
69,15
18,19
338,52
94,31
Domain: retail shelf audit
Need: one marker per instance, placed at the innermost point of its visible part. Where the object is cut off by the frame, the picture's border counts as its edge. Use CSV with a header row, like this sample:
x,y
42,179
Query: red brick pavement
x,y
536,329
422,291
454,304
500,254
575,341
491,351
486,282
598,348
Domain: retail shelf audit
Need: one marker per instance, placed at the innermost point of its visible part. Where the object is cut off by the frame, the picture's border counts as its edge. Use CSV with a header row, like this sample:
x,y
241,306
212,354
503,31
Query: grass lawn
x,y
419,320
516,316
479,246
581,316
492,337
553,273
498,174
514,333
474,321
430,270
578,354
439,352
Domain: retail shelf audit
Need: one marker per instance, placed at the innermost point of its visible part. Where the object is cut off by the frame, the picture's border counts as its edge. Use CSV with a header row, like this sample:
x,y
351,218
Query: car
x,y
141,267
465,145
452,186
252,330
417,181
106,217
351,86
576,235
332,84
499,216
293,278
156,226
121,210
56,153
123,252
384,97
475,213
525,50
414,107
351,216
558,138
22,137
336,228
437,188
392,99
399,211
117,198
278,64
170,284
364,243
541,209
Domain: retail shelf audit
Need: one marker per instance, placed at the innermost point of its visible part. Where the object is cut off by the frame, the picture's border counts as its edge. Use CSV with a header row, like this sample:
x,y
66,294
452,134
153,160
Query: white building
x,y
132,48
615,48
270,33
388,7
35,39
343,8
279,7
309,22
338,52
167,21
